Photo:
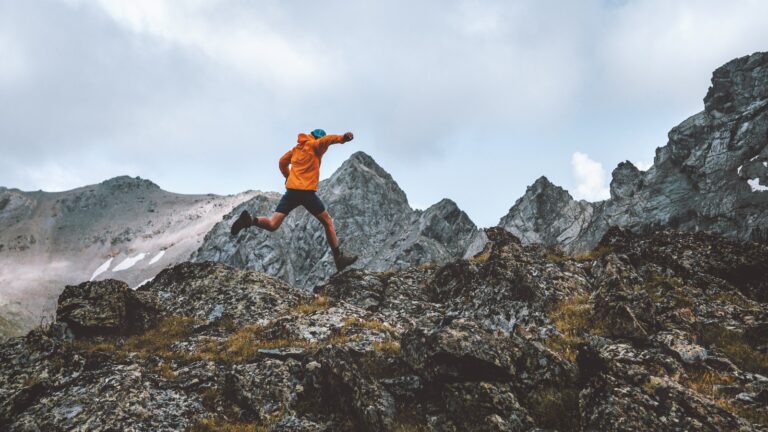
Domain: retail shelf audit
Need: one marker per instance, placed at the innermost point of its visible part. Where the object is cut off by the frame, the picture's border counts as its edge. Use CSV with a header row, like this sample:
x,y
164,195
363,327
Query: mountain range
x,y
712,176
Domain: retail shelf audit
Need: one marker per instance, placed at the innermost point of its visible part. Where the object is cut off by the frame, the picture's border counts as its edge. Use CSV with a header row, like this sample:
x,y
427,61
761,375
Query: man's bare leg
x,y
268,223
271,223
342,261
330,232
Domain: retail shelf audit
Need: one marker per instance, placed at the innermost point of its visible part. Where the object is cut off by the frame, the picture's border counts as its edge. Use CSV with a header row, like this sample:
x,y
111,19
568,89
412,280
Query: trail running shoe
x,y
242,222
343,261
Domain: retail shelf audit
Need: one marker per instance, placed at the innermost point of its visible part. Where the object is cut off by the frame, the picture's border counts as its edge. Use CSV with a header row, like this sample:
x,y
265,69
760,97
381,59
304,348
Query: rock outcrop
x,y
712,176
372,218
664,331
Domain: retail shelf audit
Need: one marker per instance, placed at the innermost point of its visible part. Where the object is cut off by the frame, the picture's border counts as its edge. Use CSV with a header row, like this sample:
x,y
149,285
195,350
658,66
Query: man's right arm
x,y
285,162
324,142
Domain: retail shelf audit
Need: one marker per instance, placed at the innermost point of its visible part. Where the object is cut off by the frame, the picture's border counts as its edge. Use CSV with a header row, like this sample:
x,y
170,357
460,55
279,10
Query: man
x,y
301,187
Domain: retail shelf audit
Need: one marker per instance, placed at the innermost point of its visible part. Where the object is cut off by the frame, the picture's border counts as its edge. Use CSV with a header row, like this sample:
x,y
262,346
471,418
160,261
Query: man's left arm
x,y
285,163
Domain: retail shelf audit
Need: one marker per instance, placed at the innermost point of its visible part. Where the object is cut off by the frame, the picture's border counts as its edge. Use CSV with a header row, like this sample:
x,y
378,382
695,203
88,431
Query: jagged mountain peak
x,y
626,179
542,182
360,160
361,166
545,186
372,218
738,84
360,179
712,175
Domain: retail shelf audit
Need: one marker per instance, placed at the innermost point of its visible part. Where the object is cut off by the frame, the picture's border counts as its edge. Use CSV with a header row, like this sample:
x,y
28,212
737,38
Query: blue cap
x,y
318,133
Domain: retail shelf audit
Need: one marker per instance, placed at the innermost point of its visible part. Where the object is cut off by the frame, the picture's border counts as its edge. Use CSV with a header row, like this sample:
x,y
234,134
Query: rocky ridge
x,y
664,331
372,218
711,176
126,228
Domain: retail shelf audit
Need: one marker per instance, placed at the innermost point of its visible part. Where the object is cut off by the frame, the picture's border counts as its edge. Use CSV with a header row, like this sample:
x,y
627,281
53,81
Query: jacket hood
x,y
303,138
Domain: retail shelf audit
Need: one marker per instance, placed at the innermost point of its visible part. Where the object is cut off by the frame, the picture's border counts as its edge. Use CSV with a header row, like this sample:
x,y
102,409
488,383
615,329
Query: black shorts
x,y
294,198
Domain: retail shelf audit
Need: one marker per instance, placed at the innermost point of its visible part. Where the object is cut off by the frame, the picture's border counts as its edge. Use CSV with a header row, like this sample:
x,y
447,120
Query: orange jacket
x,y
304,160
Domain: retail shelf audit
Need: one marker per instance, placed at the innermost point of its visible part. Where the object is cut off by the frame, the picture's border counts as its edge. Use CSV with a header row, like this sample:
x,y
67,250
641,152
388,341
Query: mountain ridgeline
x,y
712,176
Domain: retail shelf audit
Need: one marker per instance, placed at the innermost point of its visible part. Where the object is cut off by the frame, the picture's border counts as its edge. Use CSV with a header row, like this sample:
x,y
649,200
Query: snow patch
x,y
738,170
157,257
102,268
765,164
754,158
756,186
143,283
129,262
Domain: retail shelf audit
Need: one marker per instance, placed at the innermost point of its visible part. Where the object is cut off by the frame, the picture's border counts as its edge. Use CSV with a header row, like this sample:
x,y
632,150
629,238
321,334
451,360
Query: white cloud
x,y
660,51
590,178
643,166
246,42
205,95
12,63
52,177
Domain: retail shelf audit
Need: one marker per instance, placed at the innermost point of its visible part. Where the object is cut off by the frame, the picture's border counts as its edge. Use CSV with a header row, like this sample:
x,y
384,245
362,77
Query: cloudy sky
x,y
471,100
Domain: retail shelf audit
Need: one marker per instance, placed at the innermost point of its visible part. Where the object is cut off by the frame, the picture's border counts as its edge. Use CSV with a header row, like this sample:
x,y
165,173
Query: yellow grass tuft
x,y
319,303
388,346
157,341
573,319
594,254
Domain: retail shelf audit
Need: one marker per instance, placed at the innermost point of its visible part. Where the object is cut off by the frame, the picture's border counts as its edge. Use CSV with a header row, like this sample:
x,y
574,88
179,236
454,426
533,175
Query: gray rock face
x,y
712,176
548,214
372,219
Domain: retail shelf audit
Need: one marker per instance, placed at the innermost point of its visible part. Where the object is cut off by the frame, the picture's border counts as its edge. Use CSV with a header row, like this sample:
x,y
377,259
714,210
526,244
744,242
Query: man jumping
x,y
301,187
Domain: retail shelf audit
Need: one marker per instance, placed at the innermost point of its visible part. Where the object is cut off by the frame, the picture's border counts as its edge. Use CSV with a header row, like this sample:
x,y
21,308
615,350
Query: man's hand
x,y
348,137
